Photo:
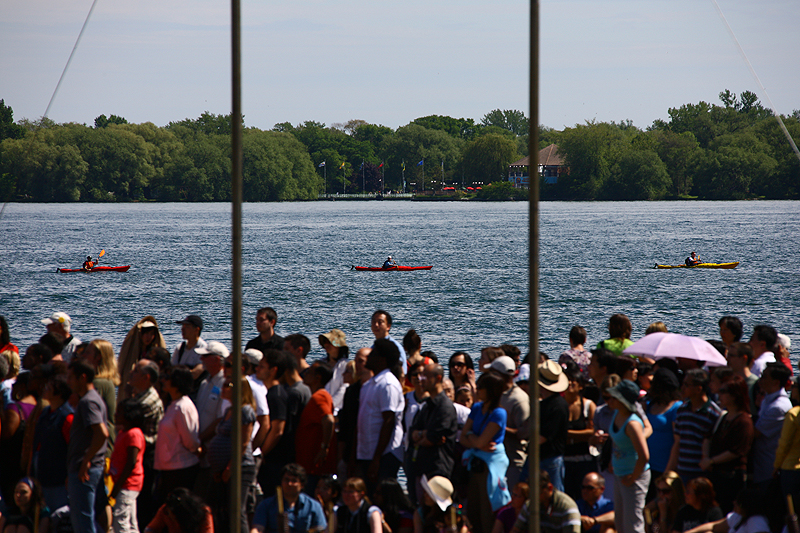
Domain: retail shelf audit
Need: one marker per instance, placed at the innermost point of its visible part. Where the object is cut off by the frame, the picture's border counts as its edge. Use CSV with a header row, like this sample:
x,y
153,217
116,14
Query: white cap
x,y
784,341
59,317
503,364
253,356
215,348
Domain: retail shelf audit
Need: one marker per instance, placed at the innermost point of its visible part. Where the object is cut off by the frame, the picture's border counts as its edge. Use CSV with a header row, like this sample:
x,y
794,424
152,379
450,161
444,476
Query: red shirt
x,y
126,439
308,438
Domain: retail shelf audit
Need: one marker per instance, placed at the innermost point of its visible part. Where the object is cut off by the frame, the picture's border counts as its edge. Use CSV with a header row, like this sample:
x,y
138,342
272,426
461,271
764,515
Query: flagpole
x,y
442,174
403,167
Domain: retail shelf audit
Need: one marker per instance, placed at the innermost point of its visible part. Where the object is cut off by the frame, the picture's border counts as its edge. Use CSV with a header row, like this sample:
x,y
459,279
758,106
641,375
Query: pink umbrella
x,y
671,345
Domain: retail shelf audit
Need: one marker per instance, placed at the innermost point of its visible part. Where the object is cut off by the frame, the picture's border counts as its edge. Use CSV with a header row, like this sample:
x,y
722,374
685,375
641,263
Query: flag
x,y
342,165
362,166
379,166
404,166
421,162
321,165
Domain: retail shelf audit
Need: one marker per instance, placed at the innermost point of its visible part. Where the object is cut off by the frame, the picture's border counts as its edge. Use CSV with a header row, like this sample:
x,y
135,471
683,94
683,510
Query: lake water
x,y
596,259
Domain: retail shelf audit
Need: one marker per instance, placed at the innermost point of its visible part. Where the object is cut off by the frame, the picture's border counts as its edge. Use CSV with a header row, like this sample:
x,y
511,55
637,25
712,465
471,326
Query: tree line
x,y
729,151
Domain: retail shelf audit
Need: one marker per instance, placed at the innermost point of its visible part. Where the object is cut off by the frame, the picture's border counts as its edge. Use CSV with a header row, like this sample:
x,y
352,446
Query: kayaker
x,y
88,264
389,263
693,260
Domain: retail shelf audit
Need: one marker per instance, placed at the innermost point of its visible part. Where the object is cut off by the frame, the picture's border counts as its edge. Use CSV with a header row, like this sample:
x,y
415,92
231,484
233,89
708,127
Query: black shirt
x,y
688,517
275,343
438,417
554,418
297,397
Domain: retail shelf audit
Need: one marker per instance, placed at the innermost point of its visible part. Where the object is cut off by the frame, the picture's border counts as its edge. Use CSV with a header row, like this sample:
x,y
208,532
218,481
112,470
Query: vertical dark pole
x,y
533,265
235,483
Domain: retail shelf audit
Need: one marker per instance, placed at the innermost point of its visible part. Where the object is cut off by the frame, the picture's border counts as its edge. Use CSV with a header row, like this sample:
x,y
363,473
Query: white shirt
x,y
380,394
761,363
262,407
190,357
336,387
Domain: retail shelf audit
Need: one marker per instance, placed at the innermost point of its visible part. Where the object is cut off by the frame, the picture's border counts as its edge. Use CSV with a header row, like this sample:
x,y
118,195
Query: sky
x,y
332,61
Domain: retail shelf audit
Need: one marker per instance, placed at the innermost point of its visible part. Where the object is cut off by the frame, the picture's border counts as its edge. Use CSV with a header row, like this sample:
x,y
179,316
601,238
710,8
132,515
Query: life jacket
x,y
88,265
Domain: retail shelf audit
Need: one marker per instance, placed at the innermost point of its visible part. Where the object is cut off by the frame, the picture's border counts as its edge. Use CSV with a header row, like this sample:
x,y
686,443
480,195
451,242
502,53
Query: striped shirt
x,y
692,427
561,516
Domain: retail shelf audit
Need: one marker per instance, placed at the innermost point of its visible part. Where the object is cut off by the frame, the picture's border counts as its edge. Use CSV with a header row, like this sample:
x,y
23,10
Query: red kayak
x,y
394,268
96,269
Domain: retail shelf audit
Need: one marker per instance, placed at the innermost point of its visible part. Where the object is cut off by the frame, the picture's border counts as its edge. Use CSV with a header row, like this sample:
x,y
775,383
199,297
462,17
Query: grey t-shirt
x,y
90,410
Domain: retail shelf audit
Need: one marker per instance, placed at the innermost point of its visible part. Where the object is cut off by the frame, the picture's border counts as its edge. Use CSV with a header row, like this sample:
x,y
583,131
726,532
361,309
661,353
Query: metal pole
x,y
533,266
235,483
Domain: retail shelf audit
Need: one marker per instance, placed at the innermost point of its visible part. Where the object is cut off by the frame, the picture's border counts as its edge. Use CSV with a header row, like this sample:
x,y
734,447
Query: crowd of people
x,y
141,439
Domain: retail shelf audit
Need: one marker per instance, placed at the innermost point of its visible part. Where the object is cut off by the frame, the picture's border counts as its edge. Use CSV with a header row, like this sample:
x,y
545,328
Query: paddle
x,y
101,254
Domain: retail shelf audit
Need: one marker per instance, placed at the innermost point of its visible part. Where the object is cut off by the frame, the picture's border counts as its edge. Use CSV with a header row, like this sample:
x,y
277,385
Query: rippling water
x,y
596,260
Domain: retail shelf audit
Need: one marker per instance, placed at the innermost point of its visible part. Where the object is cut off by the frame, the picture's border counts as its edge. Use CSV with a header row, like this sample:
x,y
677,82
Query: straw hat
x,y
552,377
439,489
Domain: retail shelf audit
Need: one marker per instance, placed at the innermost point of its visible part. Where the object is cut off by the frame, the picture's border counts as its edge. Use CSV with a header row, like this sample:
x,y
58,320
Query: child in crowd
x,y
126,467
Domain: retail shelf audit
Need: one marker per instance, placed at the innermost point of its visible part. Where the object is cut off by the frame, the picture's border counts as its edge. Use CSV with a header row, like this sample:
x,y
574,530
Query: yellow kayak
x,y
701,265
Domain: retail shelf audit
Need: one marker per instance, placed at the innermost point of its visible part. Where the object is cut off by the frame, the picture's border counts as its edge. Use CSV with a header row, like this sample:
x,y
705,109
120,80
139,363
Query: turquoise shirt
x,y
624,456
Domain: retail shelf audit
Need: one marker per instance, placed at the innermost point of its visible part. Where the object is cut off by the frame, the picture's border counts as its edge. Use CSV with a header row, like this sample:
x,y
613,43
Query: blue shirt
x,y
480,420
660,442
306,515
603,506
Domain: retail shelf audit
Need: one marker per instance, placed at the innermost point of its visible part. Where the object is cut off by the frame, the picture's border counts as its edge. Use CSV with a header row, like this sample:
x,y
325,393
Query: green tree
x,y
589,150
510,119
8,129
102,121
731,165
203,172
638,175
209,123
43,167
462,128
277,168
784,183
681,154
413,143
486,159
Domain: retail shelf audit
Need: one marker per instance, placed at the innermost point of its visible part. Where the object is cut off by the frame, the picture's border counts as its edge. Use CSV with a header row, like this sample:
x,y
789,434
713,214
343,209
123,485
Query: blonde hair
x,y
13,362
107,368
247,394
656,327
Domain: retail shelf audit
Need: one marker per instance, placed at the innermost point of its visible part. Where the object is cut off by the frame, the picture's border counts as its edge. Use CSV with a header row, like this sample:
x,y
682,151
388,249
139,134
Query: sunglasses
x,y
587,487
459,365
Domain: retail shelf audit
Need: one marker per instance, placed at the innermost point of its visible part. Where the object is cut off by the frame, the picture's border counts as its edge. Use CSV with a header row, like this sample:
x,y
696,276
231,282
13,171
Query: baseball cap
x,y
194,320
59,317
503,364
214,348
